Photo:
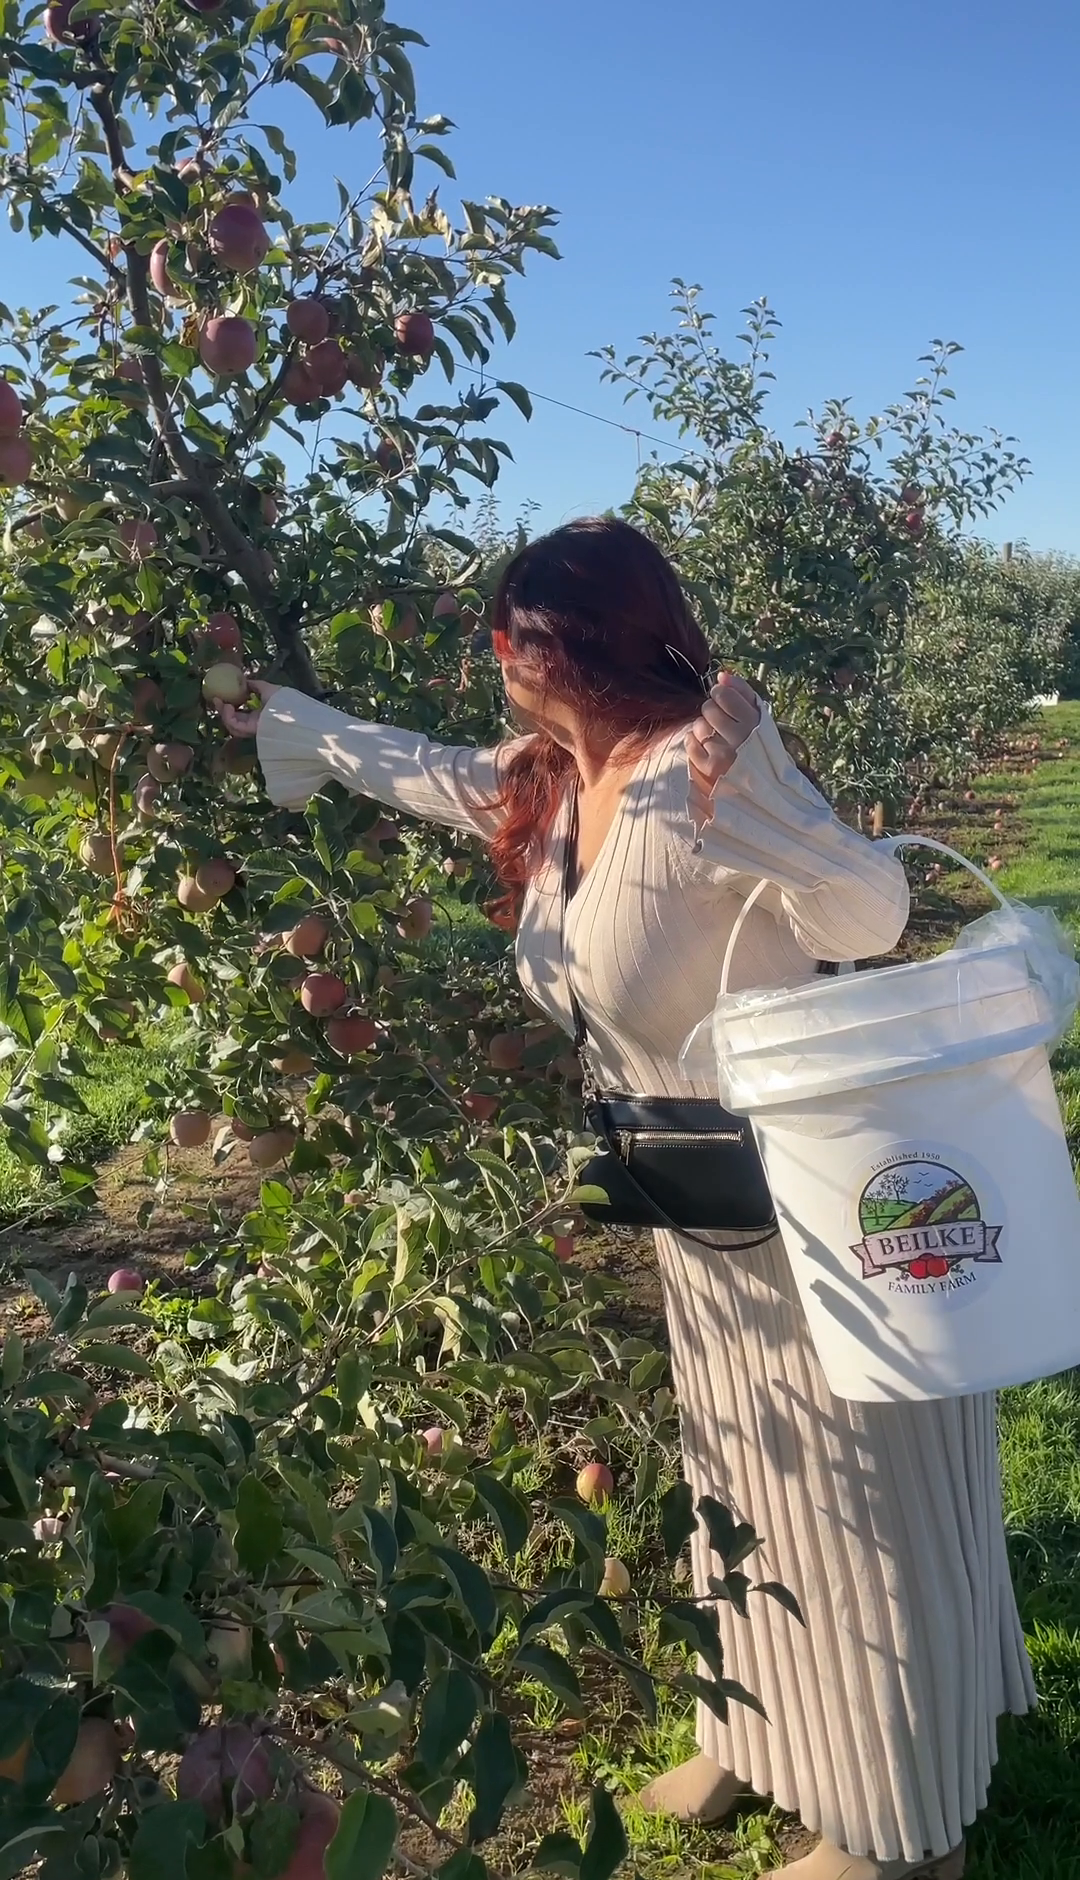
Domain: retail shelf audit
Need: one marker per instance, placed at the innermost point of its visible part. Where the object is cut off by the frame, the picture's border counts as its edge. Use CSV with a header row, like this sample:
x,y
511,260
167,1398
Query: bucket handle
x,y
894,844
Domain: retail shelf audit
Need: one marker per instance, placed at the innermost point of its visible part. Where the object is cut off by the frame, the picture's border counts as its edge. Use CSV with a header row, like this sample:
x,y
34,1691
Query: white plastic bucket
x,y
911,1134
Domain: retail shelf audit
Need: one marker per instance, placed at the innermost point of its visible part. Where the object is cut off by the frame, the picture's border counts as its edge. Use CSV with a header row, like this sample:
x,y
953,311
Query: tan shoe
x,y
828,1862
698,1790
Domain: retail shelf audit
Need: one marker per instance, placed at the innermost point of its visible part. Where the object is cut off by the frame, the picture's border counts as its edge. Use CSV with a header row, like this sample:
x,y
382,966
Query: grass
x,y
115,1098
1032,1829
1046,870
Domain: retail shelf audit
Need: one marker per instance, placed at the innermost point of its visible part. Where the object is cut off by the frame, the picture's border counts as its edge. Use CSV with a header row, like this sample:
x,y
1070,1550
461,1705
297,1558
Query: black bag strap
x,y
581,1045
569,882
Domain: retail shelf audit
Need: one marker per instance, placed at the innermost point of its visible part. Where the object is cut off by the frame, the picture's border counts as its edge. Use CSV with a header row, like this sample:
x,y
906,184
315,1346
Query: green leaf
x,y
705,1692
448,1714
19,913
383,1543
732,1540
645,1477
473,1588
434,154
606,1846
520,397
116,1358
734,1587
739,1694
72,1306
555,1672
43,1289
133,1521
506,1507
52,1745
558,1852
172,1616
548,1610
496,1774
23,1701
363,1846
697,1626
589,1529
677,1521
164,1834
260,1530
14,1352
464,1865
272,1839
783,1597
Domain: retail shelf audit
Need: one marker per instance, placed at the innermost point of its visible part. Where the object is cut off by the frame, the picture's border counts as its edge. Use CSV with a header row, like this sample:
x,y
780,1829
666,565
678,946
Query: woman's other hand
x,y
729,715
242,722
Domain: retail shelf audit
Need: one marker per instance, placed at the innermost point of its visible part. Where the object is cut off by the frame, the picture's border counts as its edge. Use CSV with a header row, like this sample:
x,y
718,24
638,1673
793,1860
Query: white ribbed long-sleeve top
x,y
646,930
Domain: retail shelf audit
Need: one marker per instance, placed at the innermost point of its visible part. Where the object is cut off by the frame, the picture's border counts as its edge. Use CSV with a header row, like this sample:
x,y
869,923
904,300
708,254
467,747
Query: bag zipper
x,y
623,1137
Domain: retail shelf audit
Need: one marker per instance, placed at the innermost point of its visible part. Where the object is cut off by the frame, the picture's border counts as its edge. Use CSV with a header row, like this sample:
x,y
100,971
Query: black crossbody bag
x,y
683,1163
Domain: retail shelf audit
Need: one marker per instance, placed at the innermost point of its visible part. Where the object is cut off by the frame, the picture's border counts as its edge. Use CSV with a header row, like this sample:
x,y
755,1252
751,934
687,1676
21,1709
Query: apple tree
x,y
987,636
227,452
809,561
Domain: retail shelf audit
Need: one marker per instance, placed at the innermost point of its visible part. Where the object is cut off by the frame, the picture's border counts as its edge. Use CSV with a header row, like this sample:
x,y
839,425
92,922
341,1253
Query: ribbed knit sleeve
x,y
302,744
845,897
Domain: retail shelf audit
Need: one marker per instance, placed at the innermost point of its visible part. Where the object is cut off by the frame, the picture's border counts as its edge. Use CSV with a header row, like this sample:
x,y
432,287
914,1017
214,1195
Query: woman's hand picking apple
x,y
241,722
729,715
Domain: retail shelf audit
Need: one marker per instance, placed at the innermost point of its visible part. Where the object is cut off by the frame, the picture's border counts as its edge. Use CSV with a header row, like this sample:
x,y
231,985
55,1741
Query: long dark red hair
x,y
596,616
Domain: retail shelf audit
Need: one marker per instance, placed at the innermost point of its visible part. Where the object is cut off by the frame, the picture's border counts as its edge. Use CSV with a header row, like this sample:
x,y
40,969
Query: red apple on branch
x,y
60,26
415,334
595,1482
299,385
308,938
238,239
16,461
182,976
323,993
166,761
330,367
352,1034
11,411
189,1129
227,345
271,1147
223,632
138,538
308,319
506,1052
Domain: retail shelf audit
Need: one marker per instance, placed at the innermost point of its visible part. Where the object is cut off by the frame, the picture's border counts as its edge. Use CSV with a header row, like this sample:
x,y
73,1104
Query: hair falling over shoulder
x,y
597,616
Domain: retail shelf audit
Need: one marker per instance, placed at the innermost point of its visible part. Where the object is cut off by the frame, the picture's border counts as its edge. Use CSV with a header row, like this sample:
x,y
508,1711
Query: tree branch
x,y
91,247
244,559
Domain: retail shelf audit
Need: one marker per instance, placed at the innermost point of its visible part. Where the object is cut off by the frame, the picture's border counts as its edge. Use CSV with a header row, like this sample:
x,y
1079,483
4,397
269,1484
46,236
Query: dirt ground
x,y
116,1231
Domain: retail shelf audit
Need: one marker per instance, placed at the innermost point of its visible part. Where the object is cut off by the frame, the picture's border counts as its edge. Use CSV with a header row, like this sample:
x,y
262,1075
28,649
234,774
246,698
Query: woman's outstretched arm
x,y
748,812
303,744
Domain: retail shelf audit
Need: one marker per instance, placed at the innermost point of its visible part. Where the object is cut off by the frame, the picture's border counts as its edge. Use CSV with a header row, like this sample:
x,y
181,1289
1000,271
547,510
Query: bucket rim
x,y
832,988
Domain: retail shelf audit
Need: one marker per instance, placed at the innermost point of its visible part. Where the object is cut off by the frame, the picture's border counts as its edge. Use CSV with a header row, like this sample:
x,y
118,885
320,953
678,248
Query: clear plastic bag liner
x,y
1050,952
1009,984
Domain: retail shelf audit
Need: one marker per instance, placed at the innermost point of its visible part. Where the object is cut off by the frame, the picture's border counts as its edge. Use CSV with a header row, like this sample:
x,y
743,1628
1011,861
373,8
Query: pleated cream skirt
x,y
886,1523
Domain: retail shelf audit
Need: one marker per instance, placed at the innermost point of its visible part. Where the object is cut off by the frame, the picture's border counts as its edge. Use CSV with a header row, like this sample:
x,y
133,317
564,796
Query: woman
x,y
885,1521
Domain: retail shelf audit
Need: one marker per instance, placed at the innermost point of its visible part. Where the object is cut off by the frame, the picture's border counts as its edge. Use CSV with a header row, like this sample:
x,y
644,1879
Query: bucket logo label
x,y
922,1221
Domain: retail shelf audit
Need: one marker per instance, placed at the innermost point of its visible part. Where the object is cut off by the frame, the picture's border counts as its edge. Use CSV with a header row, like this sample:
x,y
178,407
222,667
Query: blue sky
x,y
884,175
